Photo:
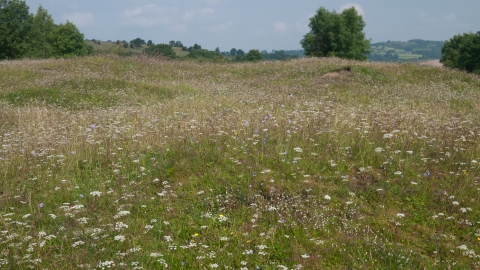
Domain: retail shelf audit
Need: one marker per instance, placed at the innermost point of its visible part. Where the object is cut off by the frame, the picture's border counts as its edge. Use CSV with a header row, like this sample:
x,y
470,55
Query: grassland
x,y
112,47
141,163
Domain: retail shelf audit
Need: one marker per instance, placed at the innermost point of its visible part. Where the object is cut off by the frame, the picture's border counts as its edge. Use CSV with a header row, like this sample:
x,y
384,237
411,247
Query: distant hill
x,y
412,50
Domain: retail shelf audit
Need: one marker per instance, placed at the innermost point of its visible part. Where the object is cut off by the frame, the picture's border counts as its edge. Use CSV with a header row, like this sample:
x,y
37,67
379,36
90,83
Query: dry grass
x,y
311,163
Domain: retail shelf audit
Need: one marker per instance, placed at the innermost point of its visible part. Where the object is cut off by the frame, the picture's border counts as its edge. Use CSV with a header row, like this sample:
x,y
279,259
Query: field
x,y
105,47
142,163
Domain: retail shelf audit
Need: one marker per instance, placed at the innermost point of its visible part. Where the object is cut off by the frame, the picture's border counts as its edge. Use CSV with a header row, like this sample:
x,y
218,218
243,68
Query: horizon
x,y
268,26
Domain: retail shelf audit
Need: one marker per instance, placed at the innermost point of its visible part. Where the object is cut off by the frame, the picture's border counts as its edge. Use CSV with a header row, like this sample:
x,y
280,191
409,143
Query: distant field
x,y
409,56
112,46
112,162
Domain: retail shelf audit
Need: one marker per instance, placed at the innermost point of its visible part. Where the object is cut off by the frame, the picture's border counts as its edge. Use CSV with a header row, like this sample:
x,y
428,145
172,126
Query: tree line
x,y
23,34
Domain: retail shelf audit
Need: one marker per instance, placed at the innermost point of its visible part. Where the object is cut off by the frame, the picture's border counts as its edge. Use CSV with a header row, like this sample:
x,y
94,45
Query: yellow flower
x,y
196,235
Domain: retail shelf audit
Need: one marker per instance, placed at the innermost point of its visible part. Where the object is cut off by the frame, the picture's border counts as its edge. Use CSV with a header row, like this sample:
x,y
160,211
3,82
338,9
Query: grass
x,y
141,163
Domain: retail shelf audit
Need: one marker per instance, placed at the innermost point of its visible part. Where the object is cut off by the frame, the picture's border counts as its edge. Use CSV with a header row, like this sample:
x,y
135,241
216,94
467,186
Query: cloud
x,y
355,5
212,2
179,27
449,18
150,15
302,25
279,27
80,19
204,13
220,27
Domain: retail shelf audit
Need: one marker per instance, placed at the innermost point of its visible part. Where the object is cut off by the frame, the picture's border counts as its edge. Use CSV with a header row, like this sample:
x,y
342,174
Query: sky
x,y
261,24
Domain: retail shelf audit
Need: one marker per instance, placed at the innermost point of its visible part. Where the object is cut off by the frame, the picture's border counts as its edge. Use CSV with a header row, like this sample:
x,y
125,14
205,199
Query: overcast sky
x,y
260,24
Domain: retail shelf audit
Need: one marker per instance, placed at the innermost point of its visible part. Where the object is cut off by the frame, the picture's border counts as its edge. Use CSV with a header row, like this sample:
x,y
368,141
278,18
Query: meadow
x,y
142,163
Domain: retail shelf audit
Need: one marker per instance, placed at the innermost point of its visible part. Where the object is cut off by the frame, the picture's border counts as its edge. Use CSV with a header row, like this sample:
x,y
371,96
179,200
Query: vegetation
x,y
412,50
36,36
139,162
161,49
253,56
463,52
333,34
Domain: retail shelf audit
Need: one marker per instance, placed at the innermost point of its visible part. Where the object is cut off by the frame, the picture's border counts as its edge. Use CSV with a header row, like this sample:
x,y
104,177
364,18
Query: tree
x,y
333,34
66,40
462,52
197,47
171,43
161,49
178,44
42,26
253,56
240,52
217,50
15,24
149,43
233,51
138,42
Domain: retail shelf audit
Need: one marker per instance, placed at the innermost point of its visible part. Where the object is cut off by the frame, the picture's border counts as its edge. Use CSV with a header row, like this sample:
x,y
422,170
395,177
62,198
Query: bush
x,y
253,56
462,52
161,49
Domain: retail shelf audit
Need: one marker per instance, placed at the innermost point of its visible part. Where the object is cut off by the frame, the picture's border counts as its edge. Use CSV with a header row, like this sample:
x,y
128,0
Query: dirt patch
x,y
431,63
337,73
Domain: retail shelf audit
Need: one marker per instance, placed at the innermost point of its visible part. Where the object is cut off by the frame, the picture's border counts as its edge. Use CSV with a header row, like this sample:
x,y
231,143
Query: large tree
x,y
254,56
66,40
462,52
15,24
38,37
336,34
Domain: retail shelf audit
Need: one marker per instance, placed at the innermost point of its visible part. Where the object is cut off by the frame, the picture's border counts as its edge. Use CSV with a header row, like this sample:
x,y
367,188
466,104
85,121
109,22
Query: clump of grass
x,y
141,163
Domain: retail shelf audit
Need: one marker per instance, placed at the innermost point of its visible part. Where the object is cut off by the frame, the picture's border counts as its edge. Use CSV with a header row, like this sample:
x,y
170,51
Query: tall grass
x,y
139,163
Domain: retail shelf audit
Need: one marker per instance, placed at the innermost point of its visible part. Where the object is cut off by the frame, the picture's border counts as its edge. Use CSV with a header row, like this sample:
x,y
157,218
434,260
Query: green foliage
x,y
15,24
66,40
138,42
233,52
35,36
38,37
334,34
400,51
205,55
254,56
462,52
161,49
277,55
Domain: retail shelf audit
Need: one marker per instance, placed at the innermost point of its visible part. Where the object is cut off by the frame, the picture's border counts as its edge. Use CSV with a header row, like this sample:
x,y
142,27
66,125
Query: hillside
x,y
130,163
415,49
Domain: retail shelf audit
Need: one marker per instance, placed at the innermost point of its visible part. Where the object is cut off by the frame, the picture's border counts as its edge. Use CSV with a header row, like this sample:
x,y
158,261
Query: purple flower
x,y
41,205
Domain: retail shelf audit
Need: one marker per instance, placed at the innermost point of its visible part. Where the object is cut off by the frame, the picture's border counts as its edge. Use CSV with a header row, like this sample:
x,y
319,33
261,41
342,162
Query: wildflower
x,y
327,197
387,136
378,149
298,149
455,203
119,238
78,243
41,205
400,215
305,256
121,214
96,193
196,235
